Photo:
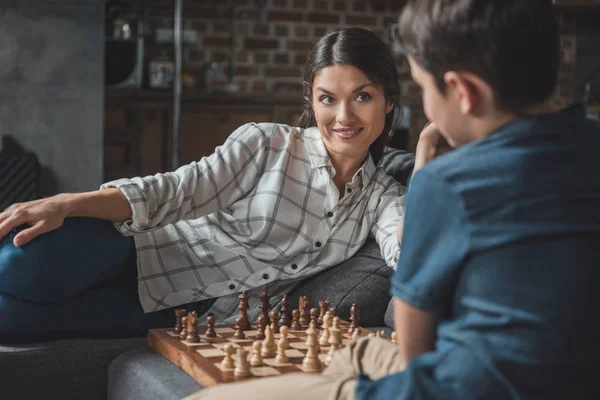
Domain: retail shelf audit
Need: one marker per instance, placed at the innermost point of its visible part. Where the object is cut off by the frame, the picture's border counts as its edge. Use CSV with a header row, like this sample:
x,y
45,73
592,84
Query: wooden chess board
x,y
202,361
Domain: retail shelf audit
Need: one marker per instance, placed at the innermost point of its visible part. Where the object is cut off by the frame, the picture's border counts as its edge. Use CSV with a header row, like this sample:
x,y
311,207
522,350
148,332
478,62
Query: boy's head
x,y
478,59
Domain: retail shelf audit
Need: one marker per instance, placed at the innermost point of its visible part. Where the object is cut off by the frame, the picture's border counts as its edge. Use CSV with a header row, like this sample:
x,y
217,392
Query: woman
x,y
273,205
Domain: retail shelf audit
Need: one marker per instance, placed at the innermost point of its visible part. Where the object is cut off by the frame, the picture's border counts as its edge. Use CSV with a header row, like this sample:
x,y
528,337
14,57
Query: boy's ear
x,y
465,88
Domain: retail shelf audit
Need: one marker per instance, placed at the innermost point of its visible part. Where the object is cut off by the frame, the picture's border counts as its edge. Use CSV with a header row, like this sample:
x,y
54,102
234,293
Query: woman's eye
x,y
363,97
326,100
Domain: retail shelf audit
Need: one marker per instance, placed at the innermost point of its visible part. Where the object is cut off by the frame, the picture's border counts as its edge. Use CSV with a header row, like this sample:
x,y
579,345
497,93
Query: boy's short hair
x,y
513,45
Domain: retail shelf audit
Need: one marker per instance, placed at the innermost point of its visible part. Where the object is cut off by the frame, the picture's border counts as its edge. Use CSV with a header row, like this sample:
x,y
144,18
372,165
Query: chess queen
x,y
270,204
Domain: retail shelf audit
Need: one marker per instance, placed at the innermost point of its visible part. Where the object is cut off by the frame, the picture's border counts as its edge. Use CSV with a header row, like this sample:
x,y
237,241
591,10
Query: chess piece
x,y
192,331
380,334
324,339
314,316
242,367
183,333
281,357
274,321
210,327
311,362
261,323
323,306
333,312
283,339
295,321
239,333
303,308
372,334
335,339
179,314
264,303
256,360
269,349
394,338
242,321
353,319
357,333
313,331
284,318
227,362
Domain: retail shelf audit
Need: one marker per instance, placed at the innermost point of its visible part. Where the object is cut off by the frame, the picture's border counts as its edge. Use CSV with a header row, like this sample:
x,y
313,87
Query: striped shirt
x,y
262,209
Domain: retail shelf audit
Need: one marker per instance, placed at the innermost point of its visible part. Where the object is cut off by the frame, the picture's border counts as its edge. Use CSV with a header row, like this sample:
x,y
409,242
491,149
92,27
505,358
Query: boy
x,y
495,283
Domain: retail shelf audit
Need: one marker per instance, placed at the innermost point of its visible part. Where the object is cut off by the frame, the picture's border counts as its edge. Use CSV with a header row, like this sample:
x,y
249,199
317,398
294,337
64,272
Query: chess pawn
x,y
323,306
256,360
260,334
179,314
183,333
269,349
242,368
296,326
394,338
314,316
333,312
227,362
210,327
281,358
311,362
324,339
274,321
380,334
283,339
239,333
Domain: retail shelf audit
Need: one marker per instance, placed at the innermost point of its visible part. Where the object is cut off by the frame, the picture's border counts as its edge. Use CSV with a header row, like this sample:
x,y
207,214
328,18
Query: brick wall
x,y
269,47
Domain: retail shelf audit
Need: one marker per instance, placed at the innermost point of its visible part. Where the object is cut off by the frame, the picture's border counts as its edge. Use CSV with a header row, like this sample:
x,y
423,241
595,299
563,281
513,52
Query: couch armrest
x,y
363,280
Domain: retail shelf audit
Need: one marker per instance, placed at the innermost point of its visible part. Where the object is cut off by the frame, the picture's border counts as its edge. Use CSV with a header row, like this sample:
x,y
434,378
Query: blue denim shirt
x,y
502,237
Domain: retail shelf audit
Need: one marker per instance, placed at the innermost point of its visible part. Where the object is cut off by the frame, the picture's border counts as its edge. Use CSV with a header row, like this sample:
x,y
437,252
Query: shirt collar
x,y
320,158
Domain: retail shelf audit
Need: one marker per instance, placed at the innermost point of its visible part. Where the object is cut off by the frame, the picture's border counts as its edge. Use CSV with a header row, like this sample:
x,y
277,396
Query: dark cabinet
x,y
138,126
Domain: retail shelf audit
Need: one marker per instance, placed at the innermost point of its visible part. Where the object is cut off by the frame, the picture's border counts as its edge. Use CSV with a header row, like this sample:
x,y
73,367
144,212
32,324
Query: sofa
x,y
127,369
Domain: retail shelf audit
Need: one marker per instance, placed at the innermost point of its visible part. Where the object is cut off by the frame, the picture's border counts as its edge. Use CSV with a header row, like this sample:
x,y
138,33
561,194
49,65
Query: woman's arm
x,y
47,214
199,188
415,330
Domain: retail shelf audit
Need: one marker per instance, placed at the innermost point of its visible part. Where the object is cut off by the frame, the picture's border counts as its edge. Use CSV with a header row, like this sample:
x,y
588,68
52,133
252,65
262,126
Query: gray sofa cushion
x,y
363,280
145,374
65,369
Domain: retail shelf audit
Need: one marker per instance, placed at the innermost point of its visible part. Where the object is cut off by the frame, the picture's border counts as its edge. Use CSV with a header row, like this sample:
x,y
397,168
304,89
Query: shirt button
x,y
349,190
294,266
318,244
232,286
330,214
265,276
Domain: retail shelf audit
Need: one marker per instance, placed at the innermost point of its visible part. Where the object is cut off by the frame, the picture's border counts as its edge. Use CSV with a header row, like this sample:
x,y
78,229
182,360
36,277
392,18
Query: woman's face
x,y
349,109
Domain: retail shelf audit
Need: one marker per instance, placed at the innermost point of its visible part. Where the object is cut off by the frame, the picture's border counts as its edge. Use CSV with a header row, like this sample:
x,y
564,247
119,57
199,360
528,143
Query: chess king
x,y
126,255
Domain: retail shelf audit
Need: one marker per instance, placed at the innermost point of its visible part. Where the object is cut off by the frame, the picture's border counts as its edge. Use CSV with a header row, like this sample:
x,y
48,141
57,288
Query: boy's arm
x,y
415,330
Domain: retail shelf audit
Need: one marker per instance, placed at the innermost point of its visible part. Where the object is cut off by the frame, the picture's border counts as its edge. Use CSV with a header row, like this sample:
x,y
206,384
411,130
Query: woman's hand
x,y
42,216
429,146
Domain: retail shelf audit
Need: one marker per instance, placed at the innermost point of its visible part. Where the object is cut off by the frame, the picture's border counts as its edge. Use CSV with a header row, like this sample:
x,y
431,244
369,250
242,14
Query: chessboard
x,y
202,361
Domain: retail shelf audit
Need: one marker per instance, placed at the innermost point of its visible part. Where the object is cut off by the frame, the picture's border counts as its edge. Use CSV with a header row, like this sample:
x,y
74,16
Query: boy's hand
x,y
431,144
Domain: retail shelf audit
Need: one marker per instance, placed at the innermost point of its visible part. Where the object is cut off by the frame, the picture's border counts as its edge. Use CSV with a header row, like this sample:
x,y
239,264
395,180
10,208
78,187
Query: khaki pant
x,y
372,356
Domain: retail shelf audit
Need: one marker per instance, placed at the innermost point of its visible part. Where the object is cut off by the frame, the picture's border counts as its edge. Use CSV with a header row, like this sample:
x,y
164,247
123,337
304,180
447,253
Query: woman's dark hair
x,y
513,45
361,49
